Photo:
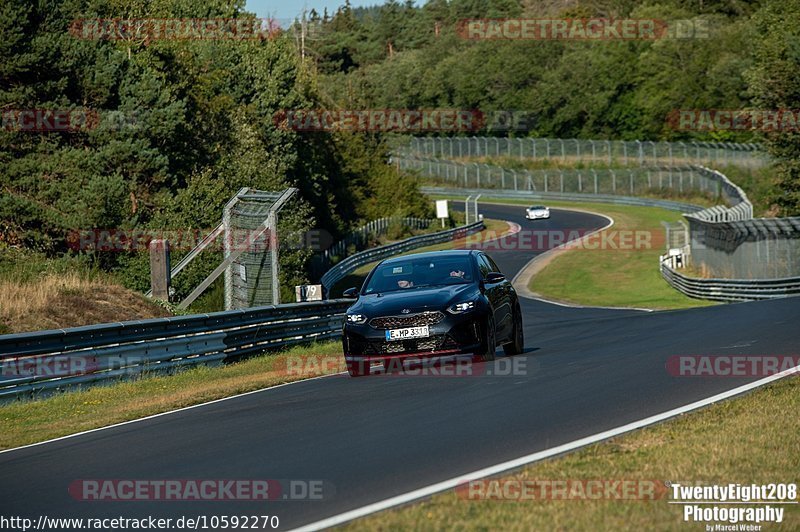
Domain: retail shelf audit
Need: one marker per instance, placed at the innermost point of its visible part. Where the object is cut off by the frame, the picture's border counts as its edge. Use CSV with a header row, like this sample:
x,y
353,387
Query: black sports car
x,y
441,303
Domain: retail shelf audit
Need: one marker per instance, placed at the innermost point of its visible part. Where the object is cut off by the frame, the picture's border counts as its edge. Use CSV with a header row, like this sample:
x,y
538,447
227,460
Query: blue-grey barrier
x,y
43,361
730,289
353,262
52,360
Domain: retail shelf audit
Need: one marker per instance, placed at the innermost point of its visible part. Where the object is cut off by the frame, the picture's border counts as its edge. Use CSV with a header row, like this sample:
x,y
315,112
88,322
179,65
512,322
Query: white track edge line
x,y
534,457
168,412
511,230
541,255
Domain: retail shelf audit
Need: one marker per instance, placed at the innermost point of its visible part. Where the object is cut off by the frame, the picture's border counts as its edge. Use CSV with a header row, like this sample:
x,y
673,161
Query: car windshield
x,y
537,208
418,273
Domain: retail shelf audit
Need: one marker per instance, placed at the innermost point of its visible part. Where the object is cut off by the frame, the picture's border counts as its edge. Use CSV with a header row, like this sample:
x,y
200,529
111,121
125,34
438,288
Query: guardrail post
x,y
159,269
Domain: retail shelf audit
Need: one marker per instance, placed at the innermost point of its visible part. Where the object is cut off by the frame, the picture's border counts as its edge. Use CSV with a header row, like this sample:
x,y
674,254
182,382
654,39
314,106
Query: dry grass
x,y
55,301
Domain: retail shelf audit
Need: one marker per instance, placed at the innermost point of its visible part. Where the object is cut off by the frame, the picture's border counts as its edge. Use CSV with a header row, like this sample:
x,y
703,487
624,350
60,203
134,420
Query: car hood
x,y
413,299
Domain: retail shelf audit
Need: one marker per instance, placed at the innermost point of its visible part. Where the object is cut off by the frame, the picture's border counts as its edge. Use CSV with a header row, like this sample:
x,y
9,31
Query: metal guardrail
x,y
731,289
565,196
51,360
374,228
740,209
42,361
353,262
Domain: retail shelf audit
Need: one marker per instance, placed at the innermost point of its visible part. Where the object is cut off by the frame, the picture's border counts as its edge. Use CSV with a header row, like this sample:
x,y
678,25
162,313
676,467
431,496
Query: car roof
x,y
433,255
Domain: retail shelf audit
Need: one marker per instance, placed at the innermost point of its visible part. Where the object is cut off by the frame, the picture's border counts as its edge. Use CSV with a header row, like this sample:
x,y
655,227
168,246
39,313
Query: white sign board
x,y
308,292
441,209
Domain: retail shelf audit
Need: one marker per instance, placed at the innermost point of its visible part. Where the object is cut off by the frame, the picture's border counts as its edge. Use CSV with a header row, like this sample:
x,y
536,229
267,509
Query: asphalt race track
x,y
586,371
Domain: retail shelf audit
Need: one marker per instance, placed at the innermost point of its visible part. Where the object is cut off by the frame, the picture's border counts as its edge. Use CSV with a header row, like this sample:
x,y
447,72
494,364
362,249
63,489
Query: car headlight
x,y
460,308
356,319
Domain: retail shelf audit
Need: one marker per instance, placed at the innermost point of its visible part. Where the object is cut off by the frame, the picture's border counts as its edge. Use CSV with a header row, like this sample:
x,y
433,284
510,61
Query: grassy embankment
x,y
611,277
748,440
31,421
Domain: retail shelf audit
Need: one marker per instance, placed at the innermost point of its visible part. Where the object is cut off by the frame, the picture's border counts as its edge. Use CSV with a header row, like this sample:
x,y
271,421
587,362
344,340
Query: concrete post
x,y
159,269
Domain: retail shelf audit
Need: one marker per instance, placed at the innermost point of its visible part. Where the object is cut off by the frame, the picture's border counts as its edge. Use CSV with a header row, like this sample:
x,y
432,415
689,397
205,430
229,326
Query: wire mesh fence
x,y
631,181
759,248
250,222
724,241
609,152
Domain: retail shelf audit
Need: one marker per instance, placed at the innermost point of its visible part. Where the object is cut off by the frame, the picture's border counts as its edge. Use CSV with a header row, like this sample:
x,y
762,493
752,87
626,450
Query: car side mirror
x,y
350,293
495,277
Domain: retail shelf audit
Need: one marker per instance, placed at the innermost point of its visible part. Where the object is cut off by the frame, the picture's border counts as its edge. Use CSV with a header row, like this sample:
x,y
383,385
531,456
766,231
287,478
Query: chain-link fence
x,y
609,152
250,222
628,181
727,242
754,249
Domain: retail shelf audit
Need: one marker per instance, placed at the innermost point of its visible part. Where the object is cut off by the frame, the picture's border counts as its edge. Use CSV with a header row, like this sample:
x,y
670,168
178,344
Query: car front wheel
x,y
517,344
491,341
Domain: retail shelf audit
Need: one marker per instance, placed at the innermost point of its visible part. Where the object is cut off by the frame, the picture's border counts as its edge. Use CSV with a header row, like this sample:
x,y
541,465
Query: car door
x,y
494,293
505,309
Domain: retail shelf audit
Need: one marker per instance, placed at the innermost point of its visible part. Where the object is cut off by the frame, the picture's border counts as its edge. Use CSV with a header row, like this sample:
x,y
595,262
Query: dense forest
x,y
402,55
179,125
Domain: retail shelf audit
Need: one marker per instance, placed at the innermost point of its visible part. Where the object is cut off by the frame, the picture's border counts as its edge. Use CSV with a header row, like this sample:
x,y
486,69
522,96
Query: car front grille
x,y
409,320
419,345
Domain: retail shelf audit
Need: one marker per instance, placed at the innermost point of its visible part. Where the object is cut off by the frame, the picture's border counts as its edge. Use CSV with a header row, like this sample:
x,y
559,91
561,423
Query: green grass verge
x,y
748,440
616,277
31,421
612,277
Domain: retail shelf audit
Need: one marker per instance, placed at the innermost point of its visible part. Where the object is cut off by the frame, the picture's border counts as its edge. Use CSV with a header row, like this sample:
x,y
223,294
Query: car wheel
x,y
358,368
491,341
517,345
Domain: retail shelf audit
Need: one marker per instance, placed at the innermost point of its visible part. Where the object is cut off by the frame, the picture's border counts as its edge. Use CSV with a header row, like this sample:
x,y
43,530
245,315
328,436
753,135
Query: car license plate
x,y
406,333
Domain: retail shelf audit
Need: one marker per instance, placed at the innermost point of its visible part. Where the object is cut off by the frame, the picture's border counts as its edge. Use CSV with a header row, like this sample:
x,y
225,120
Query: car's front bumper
x,y
456,334
536,216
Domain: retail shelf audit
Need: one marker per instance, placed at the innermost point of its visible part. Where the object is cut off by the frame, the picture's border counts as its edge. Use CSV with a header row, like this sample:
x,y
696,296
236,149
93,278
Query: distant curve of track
x,y
587,370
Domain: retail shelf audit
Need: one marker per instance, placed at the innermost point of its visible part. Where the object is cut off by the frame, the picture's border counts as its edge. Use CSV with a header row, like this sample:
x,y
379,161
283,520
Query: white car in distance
x,y
536,212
